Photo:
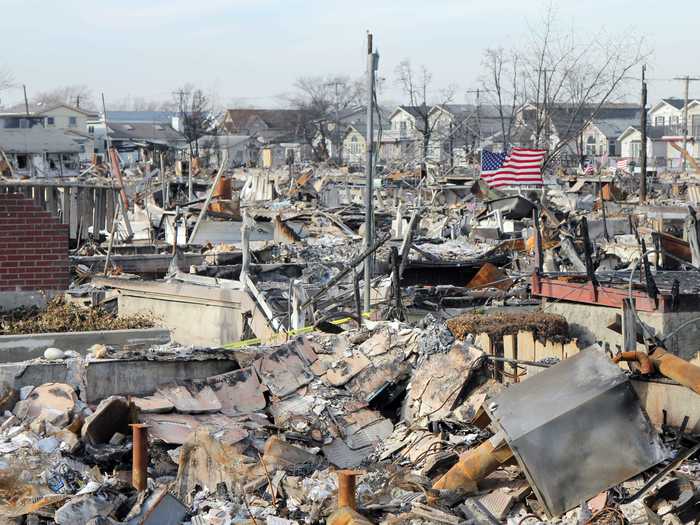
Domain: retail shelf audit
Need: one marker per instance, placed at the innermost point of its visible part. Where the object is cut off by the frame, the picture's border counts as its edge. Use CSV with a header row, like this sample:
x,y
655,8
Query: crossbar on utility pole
x,y
372,61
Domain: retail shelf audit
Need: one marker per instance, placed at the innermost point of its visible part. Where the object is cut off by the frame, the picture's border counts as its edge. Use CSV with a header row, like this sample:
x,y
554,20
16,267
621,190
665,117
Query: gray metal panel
x,y
577,429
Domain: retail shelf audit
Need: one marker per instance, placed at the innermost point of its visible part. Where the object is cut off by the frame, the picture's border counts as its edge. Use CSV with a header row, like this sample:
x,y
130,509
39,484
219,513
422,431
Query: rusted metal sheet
x,y
600,295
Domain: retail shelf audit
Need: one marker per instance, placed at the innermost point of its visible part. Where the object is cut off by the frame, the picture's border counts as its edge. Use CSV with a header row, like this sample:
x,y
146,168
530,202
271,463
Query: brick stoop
x,y
33,246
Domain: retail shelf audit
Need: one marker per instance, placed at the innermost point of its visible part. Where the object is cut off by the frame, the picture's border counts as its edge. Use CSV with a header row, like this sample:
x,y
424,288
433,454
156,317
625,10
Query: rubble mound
x,y
544,326
60,316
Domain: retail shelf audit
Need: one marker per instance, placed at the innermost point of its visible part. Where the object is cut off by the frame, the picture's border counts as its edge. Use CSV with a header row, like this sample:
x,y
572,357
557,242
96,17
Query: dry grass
x,y
60,316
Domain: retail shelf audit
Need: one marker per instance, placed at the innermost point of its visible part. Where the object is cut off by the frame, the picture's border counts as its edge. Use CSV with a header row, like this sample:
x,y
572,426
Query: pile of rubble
x,y
388,423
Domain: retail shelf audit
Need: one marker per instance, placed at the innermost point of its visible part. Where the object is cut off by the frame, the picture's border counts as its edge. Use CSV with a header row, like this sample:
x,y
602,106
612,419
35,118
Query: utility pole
x,y
686,84
477,91
372,63
643,149
26,101
77,101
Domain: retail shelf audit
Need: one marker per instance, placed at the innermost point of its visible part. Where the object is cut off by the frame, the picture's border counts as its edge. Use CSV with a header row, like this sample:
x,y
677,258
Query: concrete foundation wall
x,y
191,323
29,346
104,378
589,324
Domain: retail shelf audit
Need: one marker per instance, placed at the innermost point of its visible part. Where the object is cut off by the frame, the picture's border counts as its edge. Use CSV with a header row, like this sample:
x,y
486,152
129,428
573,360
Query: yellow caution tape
x,y
285,335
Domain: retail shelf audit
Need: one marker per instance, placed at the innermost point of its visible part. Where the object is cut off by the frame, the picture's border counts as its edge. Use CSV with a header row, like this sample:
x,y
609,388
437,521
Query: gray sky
x,y
251,51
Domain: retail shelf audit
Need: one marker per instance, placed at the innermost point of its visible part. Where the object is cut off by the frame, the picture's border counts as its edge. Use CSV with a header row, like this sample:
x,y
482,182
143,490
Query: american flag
x,y
623,165
520,166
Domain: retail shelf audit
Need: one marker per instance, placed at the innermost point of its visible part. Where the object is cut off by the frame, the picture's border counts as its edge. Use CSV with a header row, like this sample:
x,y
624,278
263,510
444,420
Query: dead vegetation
x,y
60,316
544,326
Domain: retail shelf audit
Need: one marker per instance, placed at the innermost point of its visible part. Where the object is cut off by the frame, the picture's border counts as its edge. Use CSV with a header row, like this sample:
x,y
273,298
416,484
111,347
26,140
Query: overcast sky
x,y
250,51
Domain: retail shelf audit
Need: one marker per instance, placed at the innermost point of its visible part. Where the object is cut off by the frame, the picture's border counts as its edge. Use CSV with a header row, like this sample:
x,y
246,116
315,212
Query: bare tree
x,y
197,114
319,102
500,87
567,80
417,87
78,95
6,79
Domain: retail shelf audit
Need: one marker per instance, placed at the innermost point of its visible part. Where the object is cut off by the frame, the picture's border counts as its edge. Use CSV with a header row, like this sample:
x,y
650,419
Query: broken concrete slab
x,y
194,398
238,392
110,417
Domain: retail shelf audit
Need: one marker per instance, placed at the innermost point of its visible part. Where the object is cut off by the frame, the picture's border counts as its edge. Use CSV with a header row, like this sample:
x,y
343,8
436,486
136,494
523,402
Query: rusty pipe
x,y
641,358
346,513
673,367
139,456
346,488
475,465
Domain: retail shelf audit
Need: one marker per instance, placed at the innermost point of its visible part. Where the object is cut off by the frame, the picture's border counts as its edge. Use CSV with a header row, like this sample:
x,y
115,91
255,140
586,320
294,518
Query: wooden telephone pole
x,y
372,62
686,85
643,149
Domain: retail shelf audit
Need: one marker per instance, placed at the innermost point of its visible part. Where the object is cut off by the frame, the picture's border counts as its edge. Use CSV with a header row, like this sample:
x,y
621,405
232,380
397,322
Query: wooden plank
x,y
100,205
109,208
483,341
65,205
570,348
52,200
510,351
526,346
39,195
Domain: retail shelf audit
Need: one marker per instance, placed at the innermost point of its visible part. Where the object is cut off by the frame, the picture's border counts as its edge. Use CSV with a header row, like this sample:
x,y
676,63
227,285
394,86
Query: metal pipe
x,y
475,465
645,365
673,367
346,488
139,458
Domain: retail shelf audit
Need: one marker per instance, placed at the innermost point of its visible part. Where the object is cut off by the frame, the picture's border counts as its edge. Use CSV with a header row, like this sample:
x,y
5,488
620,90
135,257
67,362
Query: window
x,y
24,123
354,146
590,145
674,120
612,149
72,122
636,148
404,128
50,121
91,130
659,121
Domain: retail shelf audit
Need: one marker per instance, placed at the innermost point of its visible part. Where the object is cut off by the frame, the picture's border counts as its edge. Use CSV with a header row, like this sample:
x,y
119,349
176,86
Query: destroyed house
x,y
131,138
41,152
20,120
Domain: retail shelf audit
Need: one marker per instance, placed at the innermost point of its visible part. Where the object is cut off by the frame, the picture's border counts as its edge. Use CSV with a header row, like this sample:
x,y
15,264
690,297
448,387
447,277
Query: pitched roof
x,y
163,117
677,103
273,118
151,132
38,140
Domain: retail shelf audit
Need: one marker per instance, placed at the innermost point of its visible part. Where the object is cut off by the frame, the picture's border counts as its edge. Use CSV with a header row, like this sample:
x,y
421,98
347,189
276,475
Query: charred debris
x,y
527,357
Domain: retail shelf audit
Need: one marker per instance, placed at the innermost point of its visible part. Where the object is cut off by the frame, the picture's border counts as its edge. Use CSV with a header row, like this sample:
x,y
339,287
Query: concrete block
x,y
14,348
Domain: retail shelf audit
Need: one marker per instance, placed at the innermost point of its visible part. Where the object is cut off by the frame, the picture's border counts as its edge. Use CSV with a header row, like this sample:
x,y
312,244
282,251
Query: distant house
x,y
458,130
602,135
41,152
268,124
630,145
242,150
20,120
138,141
63,116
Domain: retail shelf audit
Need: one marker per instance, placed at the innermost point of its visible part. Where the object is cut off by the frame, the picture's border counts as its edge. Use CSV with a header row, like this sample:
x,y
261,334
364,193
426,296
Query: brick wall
x,y
33,246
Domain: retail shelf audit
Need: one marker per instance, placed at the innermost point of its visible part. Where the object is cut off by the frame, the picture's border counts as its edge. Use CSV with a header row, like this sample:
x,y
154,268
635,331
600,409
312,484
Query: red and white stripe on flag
x,y
623,164
522,166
